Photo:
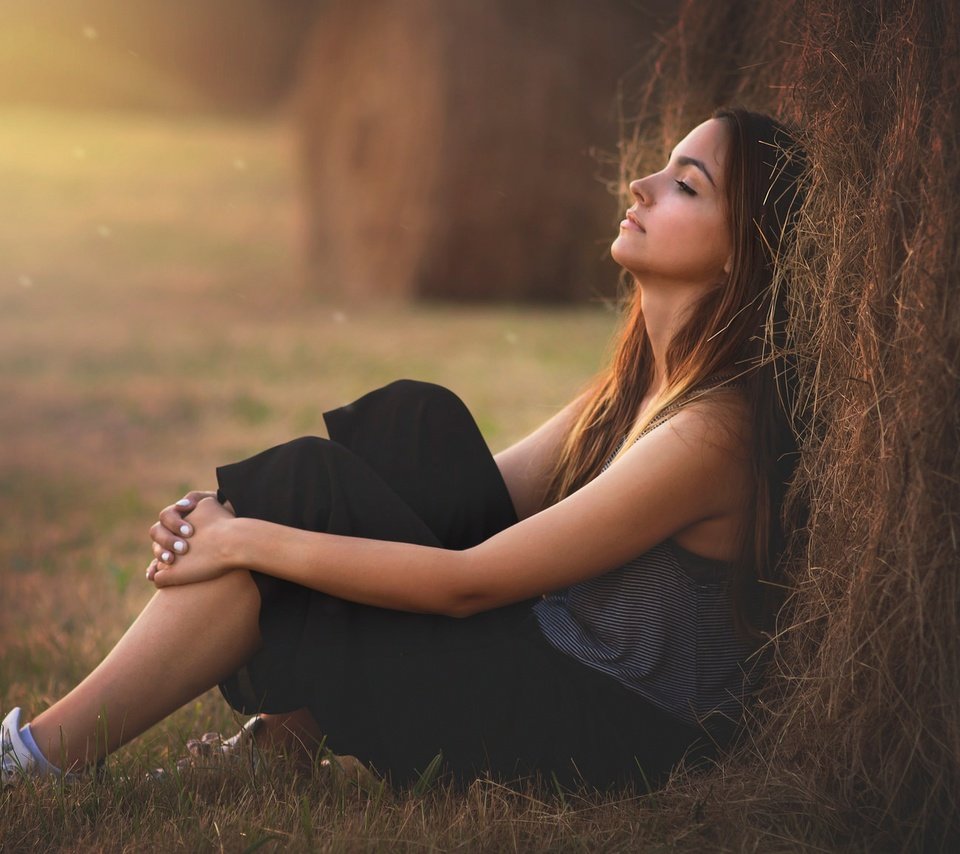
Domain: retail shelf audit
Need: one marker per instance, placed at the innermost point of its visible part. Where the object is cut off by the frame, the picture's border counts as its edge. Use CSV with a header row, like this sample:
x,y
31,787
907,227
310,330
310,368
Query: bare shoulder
x,y
702,450
718,422
714,435
707,442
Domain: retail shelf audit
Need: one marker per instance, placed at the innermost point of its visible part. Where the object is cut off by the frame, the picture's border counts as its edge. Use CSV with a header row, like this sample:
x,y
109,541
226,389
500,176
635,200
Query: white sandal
x,y
212,751
213,746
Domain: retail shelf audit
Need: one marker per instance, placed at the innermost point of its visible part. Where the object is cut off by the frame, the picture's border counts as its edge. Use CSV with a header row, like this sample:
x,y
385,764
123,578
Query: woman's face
x,y
676,231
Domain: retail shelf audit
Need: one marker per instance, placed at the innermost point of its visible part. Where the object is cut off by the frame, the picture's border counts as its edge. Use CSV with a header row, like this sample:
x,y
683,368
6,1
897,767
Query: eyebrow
x,y
692,161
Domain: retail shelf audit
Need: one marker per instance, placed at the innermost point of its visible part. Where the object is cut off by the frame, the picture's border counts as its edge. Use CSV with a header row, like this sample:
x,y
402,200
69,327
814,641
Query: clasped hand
x,y
190,541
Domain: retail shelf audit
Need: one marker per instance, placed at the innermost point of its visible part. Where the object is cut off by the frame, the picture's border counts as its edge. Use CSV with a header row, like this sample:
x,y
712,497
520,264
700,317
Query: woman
x,y
585,605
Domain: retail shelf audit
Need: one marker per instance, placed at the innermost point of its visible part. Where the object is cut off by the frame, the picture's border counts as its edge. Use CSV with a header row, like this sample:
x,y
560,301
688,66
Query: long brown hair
x,y
736,329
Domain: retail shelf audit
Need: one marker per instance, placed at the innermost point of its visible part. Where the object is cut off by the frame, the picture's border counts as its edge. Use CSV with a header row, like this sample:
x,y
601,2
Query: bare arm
x,y
526,466
673,477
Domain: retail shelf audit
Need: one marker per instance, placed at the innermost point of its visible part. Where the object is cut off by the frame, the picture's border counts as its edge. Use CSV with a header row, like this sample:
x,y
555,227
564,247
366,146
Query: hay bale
x,y
861,728
446,145
881,335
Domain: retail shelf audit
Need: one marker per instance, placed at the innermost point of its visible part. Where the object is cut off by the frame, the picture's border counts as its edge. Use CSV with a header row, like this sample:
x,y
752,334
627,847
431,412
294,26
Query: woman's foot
x,y
296,733
348,771
212,748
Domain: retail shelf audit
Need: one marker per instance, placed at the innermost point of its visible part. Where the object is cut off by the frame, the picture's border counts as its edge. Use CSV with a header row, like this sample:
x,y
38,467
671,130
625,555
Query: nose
x,y
640,190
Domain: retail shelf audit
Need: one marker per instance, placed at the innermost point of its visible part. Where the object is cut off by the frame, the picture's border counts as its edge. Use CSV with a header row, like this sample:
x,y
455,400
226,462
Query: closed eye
x,y
685,187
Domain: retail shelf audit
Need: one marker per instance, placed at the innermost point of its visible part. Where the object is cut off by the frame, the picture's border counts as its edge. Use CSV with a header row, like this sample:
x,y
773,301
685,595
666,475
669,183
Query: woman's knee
x,y
234,592
313,453
307,445
420,390
418,395
239,584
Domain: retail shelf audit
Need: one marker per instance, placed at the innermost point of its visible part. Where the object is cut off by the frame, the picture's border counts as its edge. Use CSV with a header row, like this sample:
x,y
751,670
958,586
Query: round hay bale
x,y
447,146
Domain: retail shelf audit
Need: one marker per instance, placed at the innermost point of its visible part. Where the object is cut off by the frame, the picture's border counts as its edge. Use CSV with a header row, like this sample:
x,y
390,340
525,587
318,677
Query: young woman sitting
x,y
586,604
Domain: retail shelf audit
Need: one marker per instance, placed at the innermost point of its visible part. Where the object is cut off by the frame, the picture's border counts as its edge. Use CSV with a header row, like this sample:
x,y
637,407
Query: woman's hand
x,y
207,556
172,532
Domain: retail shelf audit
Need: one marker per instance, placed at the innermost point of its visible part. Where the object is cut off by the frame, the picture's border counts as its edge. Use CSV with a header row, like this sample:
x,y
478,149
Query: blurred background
x,y
222,217
437,148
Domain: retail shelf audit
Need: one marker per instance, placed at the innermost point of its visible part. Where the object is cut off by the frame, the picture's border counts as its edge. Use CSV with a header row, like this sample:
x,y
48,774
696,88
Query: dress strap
x,y
727,379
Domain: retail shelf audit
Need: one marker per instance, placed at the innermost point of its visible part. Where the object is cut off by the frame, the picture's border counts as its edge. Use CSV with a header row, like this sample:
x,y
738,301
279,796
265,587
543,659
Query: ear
x,y
728,264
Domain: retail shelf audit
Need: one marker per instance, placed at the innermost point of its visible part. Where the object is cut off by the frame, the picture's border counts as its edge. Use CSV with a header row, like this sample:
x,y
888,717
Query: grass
x,y
311,812
138,358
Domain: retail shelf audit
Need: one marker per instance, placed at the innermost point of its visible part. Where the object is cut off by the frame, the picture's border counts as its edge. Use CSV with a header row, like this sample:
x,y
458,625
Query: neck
x,y
664,311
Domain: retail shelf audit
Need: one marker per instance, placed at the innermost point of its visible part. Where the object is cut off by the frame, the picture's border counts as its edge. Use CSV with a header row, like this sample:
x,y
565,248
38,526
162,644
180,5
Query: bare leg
x,y
184,642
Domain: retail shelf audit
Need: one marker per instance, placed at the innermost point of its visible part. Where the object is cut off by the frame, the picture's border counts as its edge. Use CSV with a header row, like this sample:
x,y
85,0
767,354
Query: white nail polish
x,y
183,502
180,546
166,557
185,530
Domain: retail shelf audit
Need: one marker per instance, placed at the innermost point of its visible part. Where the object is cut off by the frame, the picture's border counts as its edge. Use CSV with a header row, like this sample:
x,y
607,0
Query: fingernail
x,y
166,557
185,530
180,546
183,502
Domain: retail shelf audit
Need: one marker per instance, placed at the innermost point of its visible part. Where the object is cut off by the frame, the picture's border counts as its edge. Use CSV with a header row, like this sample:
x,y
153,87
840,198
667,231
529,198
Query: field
x,y
151,327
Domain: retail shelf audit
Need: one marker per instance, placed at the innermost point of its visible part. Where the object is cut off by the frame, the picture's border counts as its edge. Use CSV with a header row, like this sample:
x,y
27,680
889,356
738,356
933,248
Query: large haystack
x,y
448,145
860,737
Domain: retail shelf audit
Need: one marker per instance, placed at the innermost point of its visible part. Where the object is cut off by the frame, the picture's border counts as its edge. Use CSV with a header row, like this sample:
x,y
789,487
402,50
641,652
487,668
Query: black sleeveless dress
x,y
488,692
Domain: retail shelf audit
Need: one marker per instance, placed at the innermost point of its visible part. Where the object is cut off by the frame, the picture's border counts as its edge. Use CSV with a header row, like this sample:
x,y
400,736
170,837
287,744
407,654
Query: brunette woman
x,y
586,604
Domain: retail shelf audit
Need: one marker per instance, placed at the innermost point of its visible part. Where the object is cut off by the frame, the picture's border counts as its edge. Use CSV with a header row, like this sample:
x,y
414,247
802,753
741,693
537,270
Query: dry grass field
x,y
151,327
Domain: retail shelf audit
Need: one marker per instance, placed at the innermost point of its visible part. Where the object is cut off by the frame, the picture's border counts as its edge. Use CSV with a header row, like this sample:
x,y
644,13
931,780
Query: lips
x,y
631,223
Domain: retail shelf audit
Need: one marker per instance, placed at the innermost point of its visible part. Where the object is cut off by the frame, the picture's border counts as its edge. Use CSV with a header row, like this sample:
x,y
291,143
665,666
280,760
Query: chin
x,y
620,252
626,260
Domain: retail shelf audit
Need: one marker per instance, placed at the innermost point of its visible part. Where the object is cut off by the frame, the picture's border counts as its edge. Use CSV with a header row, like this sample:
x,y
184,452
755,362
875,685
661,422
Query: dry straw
x,y
858,736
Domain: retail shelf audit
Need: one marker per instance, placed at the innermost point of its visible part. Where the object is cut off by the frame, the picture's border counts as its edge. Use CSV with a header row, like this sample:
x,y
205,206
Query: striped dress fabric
x,y
658,631
662,626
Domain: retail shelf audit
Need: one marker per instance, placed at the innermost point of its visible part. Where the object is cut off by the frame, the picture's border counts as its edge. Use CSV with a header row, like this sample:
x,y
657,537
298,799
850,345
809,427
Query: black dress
x,y
407,463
